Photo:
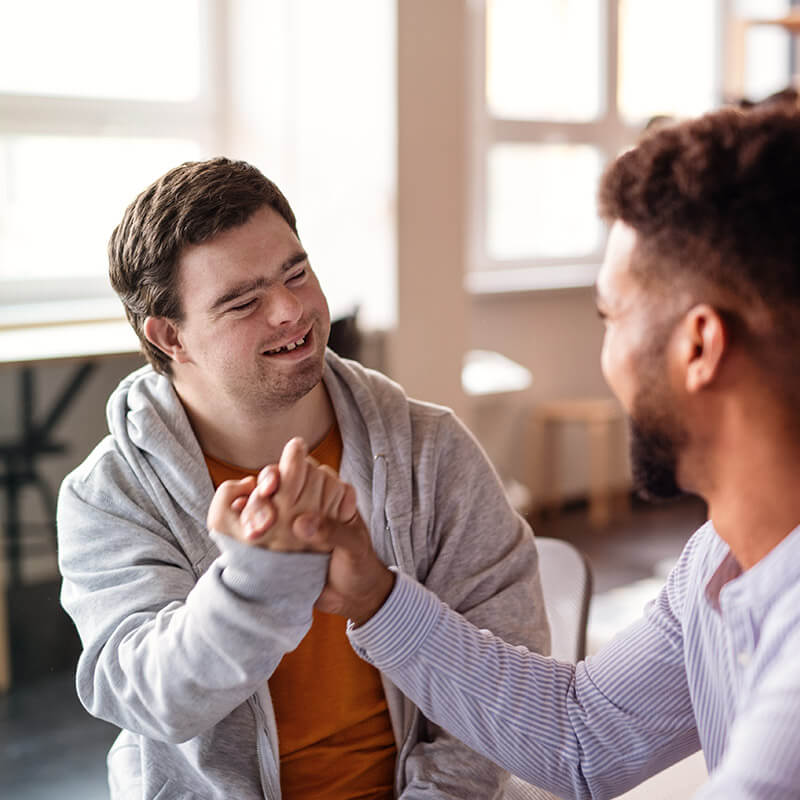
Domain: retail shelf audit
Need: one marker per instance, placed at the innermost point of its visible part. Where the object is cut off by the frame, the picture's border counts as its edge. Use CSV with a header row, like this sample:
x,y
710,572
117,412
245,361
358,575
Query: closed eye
x,y
297,277
243,306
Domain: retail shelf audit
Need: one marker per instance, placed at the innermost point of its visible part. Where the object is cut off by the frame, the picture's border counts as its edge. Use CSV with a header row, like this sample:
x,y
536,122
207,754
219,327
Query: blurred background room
x,y
442,158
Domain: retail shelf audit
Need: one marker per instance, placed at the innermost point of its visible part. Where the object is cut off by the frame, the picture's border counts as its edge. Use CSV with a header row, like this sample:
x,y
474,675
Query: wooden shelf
x,y
791,22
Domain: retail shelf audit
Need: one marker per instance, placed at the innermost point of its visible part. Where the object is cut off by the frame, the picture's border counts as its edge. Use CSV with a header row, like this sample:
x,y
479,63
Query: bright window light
x,y
64,195
543,59
147,50
541,200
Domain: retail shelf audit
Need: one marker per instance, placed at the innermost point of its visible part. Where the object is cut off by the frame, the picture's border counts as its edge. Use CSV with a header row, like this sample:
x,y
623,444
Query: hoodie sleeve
x,y
480,558
166,654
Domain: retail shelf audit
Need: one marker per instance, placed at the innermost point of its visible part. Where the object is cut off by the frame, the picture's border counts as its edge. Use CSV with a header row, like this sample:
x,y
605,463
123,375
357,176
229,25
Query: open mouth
x,y
288,348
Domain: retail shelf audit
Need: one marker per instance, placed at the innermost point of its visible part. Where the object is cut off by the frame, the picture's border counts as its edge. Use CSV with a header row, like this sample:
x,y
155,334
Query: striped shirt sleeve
x,y
591,730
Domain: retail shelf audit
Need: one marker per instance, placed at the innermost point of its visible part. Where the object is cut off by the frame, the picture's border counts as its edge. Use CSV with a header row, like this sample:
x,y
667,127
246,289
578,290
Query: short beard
x,y
656,441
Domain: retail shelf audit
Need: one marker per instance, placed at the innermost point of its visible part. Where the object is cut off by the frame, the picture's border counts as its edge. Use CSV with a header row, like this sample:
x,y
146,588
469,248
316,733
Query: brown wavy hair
x,y
188,205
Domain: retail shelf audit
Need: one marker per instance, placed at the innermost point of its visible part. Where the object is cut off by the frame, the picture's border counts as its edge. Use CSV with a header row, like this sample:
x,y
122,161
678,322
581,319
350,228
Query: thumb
x,y
323,533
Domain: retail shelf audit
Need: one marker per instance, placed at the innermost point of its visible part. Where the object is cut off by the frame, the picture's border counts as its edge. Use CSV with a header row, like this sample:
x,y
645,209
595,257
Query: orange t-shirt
x,y
334,732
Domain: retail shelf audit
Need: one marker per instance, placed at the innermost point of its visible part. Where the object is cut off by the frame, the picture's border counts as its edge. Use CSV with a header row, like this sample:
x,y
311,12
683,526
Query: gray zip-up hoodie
x,y
181,628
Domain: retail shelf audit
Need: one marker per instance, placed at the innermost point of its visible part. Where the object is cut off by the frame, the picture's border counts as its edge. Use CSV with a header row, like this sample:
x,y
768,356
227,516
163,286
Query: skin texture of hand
x,y
358,581
261,512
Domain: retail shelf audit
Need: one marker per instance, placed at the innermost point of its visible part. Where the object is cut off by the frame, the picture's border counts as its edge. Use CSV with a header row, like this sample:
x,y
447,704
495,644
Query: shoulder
x,y
143,392
685,584
381,401
104,480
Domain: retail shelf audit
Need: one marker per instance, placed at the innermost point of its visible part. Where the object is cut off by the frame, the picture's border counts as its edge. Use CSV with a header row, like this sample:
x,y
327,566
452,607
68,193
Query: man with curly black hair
x,y
700,295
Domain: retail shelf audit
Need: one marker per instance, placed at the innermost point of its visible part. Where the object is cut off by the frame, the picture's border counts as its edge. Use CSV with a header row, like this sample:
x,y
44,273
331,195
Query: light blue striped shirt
x,y
715,662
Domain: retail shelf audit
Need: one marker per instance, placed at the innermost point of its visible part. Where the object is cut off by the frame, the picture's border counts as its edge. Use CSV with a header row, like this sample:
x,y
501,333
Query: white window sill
x,y
60,312
530,279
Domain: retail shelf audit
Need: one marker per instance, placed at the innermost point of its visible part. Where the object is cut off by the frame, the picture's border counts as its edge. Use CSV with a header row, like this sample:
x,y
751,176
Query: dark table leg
x,y
21,454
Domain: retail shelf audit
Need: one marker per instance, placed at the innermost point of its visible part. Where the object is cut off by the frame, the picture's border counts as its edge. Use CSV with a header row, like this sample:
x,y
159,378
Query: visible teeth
x,y
288,348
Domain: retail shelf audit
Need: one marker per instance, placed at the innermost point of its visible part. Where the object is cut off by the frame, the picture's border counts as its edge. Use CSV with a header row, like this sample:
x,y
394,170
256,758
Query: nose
x,y
283,307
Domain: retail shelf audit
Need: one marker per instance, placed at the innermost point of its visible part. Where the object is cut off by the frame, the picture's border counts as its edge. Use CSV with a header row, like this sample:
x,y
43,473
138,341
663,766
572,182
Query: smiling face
x,y
255,321
634,360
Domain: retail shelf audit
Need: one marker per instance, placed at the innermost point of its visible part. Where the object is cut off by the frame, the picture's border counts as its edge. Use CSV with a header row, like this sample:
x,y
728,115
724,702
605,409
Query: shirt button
x,y
743,658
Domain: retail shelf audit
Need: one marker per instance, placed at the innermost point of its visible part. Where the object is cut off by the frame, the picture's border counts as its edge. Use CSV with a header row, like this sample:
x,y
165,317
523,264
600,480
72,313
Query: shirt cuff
x,y
401,625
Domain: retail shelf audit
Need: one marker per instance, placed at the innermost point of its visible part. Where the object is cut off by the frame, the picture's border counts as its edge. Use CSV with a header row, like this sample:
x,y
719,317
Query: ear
x,y
702,343
163,333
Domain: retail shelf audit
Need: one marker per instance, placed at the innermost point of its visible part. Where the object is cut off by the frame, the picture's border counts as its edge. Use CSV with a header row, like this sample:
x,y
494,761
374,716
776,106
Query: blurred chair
x,y
567,586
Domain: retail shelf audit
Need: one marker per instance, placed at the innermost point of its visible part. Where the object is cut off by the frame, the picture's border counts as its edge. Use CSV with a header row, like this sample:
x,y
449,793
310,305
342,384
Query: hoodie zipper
x,y
379,501
269,772
380,478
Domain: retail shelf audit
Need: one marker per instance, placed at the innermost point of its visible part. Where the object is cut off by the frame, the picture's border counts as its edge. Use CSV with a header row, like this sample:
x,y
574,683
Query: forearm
x,y
544,721
168,666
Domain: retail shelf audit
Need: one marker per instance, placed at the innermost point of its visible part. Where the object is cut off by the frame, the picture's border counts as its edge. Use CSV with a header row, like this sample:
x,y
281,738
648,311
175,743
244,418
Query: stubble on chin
x,y
277,391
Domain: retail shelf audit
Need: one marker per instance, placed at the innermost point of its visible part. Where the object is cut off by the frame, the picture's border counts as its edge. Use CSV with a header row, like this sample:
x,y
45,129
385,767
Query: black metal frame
x,y
20,456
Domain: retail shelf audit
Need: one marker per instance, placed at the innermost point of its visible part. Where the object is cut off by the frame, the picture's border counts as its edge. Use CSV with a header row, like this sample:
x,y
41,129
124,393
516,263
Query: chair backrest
x,y
567,586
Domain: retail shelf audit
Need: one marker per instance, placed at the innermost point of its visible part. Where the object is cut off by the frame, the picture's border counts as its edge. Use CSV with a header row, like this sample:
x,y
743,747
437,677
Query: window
x,y
562,86
762,56
104,97
95,103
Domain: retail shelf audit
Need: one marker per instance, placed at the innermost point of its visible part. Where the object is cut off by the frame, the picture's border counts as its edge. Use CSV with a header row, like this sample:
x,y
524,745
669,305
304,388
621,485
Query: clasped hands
x,y
298,505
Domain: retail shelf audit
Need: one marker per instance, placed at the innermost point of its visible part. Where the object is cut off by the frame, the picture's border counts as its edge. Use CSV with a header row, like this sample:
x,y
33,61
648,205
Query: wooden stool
x,y
598,416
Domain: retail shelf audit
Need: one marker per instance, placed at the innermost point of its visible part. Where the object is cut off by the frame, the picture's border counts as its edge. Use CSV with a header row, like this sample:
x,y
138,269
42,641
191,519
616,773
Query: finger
x,y
221,508
293,468
307,527
348,508
311,498
323,533
257,516
269,480
332,493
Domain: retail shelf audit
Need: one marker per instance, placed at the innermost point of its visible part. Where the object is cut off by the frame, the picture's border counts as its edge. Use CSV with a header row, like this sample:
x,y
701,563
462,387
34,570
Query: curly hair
x,y
188,205
715,203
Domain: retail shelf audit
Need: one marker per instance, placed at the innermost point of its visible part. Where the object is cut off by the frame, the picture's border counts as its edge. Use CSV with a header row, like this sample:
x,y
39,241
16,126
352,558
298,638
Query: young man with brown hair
x,y
206,651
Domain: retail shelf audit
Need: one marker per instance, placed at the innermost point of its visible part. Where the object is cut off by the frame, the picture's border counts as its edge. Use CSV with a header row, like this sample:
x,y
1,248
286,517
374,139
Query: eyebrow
x,y
257,283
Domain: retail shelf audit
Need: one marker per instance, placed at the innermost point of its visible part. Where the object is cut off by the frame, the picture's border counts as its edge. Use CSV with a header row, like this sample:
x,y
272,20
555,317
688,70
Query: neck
x,y
253,439
751,482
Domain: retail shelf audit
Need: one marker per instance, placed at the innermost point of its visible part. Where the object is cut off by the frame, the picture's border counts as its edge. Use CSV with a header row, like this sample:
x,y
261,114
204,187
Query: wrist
x,y
375,599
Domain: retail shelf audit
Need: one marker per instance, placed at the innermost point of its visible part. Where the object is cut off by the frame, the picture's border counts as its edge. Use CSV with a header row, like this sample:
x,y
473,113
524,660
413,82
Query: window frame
x,y
201,119
610,133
